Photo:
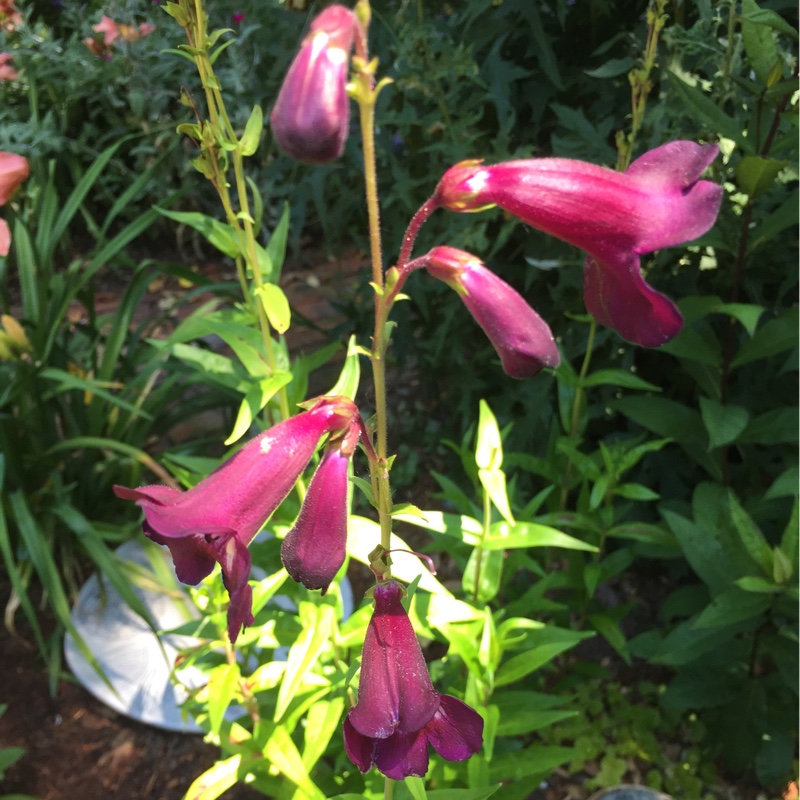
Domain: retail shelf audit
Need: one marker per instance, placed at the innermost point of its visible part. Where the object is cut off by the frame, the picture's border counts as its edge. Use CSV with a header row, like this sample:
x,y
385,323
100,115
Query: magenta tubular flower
x,y
311,115
616,217
13,170
399,713
315,547
522,339
216,520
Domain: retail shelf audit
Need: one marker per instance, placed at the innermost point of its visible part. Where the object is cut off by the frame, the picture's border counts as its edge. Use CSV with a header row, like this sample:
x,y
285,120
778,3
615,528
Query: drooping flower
x,y
315,547
399,713
522,339
311,114
13,170
659,201
7,72
215,521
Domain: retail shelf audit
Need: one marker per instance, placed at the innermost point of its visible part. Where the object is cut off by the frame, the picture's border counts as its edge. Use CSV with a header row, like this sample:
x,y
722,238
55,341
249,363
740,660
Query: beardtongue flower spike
x,y
315,547
311,114
399,713
659,201
216,520
522,339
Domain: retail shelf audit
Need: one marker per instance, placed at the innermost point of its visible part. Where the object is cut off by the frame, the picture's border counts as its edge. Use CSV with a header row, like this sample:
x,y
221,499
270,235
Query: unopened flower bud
x,y
311,116
315,547
522,339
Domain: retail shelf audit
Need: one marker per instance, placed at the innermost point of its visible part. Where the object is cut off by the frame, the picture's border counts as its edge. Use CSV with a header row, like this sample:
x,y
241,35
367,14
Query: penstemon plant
x,y
659,200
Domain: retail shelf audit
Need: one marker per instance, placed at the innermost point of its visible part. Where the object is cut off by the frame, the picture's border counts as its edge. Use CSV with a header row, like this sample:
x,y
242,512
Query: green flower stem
x,y
576,408
388,788
242,224
641,85
365,94
487,521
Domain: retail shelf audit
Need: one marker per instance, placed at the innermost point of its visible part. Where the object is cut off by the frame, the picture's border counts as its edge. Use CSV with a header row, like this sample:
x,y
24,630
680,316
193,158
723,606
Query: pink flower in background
x,y
237,18
311,114
10,18
215,521
659,201
111,31
315,547
13,170
522,339
399,713
7,72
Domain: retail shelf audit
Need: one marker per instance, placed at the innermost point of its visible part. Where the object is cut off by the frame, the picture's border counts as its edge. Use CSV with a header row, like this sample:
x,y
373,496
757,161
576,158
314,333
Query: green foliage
x,y
623,737
82,395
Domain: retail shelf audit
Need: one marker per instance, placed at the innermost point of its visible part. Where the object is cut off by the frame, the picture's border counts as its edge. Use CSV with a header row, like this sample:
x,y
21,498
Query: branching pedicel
x,y
615,217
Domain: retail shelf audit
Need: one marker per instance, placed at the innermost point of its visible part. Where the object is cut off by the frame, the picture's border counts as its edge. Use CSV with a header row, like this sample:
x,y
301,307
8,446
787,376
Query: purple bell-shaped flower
x,y
399,713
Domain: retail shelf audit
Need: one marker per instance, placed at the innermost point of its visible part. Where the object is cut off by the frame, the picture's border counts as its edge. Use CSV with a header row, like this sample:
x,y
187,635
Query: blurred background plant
x,y
675,469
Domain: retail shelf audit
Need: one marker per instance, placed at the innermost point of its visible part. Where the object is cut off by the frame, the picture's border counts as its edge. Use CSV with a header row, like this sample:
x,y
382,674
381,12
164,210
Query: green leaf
x,y
543,50
702,550
223,681
756,174
748,314
494,483
216,233
700,105
321,724
789,537
732,606
535,760
612,68
785,485
724,423
502,536
519,721
317,624
619,377
281,751
248,144
276,247
759,43
67,382
258,395
9,756
490,572
350,376
538,655
643,532
750,536
275,305
216,780
775,336
635,491
463,528
752,583
766,16
609,629
785,216
478,793
416,788
42,557
488,445
777,426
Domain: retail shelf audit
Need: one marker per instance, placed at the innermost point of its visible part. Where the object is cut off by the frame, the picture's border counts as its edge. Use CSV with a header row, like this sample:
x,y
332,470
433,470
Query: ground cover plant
x,y
616,479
